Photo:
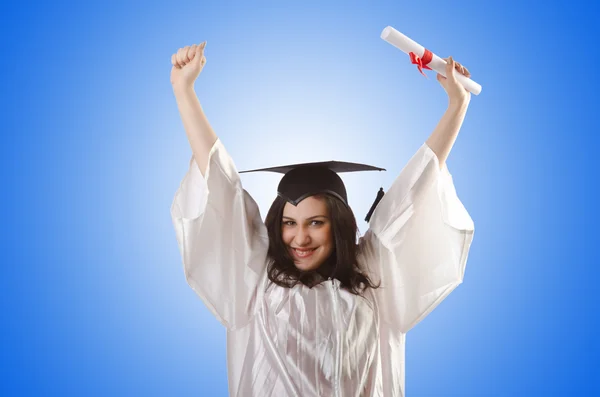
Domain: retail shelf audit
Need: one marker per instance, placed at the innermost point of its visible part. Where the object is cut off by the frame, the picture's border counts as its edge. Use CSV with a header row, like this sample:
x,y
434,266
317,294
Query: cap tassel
x,y
380,194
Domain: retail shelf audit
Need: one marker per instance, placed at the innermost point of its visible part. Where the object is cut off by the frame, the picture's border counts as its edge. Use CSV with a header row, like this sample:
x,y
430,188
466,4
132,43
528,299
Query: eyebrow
x,y
312,217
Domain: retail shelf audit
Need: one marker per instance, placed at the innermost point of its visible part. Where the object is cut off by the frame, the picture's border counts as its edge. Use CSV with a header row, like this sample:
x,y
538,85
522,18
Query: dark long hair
x,y
341,264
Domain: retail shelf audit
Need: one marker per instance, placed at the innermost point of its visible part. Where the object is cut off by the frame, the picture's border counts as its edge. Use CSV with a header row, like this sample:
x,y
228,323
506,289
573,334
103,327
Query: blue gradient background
x,y
94,300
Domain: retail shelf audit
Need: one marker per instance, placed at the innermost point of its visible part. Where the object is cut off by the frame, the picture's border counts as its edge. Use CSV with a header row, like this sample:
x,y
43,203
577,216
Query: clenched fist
x,y
187,64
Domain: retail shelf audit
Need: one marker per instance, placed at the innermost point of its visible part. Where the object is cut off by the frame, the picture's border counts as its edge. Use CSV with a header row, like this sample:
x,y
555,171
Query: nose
x,y
302,237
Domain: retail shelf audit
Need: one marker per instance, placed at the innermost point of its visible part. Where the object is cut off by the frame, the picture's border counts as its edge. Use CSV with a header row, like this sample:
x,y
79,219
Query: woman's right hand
x,y
187,63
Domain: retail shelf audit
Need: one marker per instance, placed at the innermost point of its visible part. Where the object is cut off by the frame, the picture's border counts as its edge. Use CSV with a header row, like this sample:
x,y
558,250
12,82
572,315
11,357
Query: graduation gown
x,y
322,341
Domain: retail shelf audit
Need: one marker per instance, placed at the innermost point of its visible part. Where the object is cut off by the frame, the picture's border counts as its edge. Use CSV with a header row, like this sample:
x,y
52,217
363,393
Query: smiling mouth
x,y
303,253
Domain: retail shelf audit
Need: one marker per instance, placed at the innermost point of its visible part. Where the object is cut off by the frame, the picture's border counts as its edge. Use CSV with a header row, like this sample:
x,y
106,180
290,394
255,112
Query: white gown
x,y
322,341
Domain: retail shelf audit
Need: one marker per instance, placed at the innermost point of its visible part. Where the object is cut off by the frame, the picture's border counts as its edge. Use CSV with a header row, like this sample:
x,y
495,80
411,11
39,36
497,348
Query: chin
x,y
306,266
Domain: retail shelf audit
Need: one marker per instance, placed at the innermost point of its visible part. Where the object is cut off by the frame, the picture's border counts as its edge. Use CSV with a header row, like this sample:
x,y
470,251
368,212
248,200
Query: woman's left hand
x,y
456,92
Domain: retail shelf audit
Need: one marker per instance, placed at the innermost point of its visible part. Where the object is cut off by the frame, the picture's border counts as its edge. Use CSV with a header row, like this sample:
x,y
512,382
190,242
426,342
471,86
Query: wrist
x,y
460,104
181,89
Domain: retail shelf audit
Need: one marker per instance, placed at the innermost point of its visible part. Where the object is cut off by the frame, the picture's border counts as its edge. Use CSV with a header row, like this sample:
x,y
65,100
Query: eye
x,y
288,223
317,223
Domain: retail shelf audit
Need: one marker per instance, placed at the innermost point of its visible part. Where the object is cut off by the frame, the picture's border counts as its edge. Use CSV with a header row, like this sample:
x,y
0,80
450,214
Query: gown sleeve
x,y
221,237
417,242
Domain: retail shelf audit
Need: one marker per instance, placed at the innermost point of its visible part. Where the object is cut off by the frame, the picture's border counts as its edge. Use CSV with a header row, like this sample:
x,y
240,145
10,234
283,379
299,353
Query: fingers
x,y
187,54
182,56
463,70
451,64
191,52
178,59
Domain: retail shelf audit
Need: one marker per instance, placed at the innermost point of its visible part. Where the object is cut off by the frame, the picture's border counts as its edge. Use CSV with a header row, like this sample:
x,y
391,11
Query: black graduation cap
x,y
303,180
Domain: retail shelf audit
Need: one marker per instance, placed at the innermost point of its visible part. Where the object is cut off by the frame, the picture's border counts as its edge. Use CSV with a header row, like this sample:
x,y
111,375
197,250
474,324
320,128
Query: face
x,y
306,231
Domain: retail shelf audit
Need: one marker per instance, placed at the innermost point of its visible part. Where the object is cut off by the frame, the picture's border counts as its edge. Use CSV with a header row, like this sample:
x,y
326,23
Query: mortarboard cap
x,y
303,180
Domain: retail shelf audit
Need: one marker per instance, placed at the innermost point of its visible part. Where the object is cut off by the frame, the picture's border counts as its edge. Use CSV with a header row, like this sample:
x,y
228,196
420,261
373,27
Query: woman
x,y
307,311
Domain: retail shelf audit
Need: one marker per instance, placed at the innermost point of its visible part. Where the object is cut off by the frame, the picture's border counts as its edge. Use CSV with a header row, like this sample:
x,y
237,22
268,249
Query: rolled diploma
x,y
407,45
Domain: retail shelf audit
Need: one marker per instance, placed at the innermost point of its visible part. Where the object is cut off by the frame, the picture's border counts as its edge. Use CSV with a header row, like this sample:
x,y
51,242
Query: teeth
x,y
303,252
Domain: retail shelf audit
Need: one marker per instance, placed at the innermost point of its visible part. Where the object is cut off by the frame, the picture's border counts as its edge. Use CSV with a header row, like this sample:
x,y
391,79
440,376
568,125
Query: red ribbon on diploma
x,y
423,61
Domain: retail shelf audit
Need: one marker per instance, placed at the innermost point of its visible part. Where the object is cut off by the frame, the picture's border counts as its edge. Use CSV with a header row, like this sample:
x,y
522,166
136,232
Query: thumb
x,y
199,53
450,66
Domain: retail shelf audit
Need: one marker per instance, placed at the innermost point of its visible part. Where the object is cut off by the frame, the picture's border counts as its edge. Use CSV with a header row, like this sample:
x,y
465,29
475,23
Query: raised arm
x,y
187,63
420,233
444,135
221,236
